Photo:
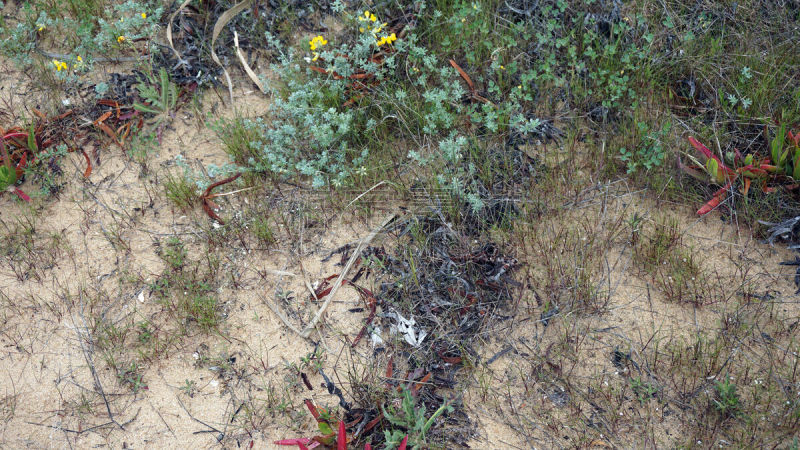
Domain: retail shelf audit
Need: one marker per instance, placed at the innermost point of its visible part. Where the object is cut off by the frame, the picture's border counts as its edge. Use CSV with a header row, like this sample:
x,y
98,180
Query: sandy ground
x,y
57,391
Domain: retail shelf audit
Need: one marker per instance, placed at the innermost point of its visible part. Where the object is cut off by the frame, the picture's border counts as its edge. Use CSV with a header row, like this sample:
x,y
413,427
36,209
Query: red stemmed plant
x,y
13,163
745,168
19,148
329,437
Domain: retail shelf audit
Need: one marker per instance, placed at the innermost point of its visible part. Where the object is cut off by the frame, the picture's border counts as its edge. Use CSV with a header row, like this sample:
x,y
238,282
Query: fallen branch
x,y
338,283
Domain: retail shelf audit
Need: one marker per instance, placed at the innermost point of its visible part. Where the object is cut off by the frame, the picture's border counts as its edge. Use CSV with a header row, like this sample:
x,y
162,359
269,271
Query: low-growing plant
x,y
17,149
643,389
650,153
131,376
88,31
782,169
727,399
160,96
180,191
411,418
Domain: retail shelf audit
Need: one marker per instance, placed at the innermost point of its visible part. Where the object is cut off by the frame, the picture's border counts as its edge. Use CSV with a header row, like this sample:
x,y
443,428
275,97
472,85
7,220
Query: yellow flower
x,y
387,39
316,56
41,27
60,65
318,41
502,67
361,29
144,15
80,59
368,17
120,39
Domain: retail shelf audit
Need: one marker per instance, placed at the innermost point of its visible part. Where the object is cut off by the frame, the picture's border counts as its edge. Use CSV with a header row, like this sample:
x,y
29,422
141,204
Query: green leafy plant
x,y
643,390
411,418
189,387
160,96
785,152
727,401
650,153
132,377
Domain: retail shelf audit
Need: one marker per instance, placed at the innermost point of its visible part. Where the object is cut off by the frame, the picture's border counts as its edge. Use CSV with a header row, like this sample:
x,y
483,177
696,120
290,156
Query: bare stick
x,y
87,354
210,428
307,331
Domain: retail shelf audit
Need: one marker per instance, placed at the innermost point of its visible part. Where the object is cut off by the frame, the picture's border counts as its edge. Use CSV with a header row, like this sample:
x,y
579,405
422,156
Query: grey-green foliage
x,y
18,43
86,34
307,132
302,138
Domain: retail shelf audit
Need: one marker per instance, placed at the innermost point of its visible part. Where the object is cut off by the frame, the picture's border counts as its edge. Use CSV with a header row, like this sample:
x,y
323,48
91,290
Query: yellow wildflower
x,y
144,15
387,39
60,65
368,17
502,67
120,39
318,41
80,59
41,27
316,56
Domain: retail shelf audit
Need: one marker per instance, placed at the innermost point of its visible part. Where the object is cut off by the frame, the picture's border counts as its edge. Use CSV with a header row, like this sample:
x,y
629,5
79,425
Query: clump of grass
x,y
27,254
185,290
262,229
180,191
186,302
672,266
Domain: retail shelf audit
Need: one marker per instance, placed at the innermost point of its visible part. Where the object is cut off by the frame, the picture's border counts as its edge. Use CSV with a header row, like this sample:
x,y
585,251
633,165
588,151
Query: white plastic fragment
x,y
406,327
375,337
